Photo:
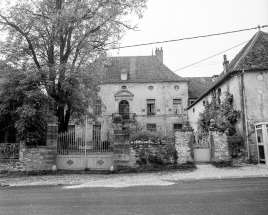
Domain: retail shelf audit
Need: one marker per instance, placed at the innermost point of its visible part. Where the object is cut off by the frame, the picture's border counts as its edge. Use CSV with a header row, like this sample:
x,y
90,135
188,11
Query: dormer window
x,y
123,75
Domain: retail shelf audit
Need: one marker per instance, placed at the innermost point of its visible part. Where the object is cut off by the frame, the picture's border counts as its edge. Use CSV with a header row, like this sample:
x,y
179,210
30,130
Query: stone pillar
x,y
121,147
219,146
51,144
183,140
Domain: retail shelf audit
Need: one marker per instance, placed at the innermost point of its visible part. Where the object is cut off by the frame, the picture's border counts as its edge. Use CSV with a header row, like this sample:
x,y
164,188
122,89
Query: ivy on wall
x,y
222,112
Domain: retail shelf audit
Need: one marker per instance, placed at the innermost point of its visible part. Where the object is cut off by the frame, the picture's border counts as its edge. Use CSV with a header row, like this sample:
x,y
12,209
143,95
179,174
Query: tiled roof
x,y
140,69
253,56
198,85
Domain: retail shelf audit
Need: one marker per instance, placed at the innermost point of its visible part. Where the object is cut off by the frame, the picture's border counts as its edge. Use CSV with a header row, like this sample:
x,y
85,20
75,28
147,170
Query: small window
x,y
124,87
176,87
259,136
97,107
177,106
150,107
177,127
204,102
151,87
151,127
191,102
193,110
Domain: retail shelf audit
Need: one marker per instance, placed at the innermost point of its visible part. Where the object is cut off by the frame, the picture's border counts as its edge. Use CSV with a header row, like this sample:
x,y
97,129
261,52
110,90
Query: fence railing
x,y
9,151
78,142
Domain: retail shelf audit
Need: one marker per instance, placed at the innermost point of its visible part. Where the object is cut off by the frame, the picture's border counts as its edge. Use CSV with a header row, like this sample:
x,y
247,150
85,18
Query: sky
x,y
175,19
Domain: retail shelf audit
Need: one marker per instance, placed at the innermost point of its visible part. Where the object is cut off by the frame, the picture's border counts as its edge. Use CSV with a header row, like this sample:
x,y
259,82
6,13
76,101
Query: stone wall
x,y
146,152
35,158
183,140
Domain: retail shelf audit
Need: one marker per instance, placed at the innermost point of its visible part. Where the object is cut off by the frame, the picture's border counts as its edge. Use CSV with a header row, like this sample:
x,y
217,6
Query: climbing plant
x,y
222,112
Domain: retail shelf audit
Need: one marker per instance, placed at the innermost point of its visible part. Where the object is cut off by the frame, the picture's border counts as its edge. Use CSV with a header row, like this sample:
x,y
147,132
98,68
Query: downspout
x,y
244,111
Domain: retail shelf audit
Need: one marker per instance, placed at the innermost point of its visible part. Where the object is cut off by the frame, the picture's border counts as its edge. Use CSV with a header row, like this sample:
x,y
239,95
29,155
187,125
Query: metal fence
x,y
79,142
9,151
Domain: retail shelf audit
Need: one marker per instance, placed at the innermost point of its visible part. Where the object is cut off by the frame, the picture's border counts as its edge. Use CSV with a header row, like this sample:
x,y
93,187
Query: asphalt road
x,y
232,196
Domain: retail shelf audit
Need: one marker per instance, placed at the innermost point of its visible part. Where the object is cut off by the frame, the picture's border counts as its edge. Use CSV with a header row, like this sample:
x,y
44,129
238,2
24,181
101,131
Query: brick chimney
x,y
214,78
159,54
225,64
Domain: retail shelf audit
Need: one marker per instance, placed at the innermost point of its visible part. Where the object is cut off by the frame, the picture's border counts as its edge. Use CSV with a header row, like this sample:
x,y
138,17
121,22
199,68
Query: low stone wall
x,y
31,159
34,158
146,153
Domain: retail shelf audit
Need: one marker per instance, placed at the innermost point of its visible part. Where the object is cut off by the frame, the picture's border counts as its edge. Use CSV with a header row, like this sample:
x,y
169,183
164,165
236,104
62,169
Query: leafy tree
x,y
223,113
22,106
65,41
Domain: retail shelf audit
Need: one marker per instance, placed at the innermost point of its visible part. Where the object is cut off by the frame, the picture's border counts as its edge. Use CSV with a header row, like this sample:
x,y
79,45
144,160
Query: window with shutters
x,y
151,127
177,106
150,107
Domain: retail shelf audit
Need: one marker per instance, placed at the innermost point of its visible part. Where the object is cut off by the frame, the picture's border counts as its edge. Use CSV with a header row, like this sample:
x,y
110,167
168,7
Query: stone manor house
x,y
146,93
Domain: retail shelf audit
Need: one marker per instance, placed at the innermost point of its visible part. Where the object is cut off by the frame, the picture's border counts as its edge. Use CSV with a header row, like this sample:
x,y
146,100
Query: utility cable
x,y
210,56
187,38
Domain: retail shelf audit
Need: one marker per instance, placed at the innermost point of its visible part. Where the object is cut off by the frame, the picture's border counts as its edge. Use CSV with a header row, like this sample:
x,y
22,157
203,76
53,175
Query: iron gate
x,y
82,148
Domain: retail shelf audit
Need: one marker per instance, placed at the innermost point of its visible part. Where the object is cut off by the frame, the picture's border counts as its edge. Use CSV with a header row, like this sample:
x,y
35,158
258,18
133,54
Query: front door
x,y
124,109
262,142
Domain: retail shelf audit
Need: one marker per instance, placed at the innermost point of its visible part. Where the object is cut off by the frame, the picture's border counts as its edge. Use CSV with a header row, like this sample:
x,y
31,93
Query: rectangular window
x,y
259,136
97,107
177,127
150,106
177,106
151,127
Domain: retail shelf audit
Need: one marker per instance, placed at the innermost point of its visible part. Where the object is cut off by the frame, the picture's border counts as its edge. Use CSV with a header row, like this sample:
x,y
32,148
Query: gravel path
x,y
204,171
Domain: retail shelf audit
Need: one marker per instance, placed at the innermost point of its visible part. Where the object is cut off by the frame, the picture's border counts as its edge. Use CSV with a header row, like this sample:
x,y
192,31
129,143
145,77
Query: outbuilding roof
x,y
198,85
253,56
139,69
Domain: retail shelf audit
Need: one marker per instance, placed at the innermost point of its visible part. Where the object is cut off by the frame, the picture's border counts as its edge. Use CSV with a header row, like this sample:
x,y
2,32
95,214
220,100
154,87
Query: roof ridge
x,y
255,37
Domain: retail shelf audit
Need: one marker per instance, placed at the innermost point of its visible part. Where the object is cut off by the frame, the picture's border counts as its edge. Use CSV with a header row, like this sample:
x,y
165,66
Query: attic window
x,y
123,75
124,87
151,87
176,87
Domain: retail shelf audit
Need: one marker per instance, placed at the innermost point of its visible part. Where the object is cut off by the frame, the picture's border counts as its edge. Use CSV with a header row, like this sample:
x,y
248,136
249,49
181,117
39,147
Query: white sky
x,y
174,19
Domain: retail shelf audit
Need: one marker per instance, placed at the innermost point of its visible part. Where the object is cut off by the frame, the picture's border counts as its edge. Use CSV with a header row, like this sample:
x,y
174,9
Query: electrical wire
x,y
210,57
187,38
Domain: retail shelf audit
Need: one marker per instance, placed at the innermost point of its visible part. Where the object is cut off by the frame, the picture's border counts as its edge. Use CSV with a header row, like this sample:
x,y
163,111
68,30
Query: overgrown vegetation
x,y
222,112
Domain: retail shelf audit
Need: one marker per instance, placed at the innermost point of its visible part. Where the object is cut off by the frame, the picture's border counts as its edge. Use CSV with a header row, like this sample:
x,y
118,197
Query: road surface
x,y
228,196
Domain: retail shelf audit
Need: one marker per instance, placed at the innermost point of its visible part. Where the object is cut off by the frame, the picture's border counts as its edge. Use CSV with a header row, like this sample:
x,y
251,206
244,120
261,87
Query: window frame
x,y
177,106
97,107
151,107
151,129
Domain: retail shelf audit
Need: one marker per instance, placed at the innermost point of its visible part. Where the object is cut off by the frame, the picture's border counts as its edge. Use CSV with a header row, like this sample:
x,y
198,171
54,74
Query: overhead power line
x,y
187,38
210,56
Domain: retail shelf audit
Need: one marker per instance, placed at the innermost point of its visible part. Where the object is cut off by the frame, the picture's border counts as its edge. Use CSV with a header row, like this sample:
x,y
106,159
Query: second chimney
x,y
159,54
225,64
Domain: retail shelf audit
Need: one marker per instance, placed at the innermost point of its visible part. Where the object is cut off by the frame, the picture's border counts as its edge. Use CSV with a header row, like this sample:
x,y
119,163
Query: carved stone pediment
x,y
123,93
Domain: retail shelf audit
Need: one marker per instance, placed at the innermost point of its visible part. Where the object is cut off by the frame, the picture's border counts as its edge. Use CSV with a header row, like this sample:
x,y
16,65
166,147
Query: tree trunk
x,y
63,118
